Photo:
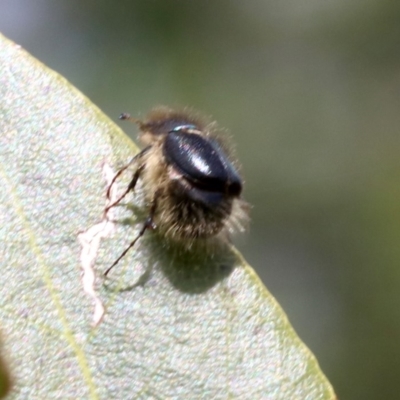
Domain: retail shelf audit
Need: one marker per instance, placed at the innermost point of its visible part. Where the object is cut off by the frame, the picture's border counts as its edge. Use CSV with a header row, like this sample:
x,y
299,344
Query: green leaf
x,y
177,324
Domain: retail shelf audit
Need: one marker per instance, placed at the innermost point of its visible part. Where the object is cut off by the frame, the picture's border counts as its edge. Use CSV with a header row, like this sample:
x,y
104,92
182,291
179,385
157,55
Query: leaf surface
x,y
5,380
176,324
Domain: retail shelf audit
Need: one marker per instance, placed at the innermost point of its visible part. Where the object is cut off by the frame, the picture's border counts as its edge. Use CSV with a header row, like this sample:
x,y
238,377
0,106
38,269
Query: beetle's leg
x,y
130,187
133,182
148,224
119,173
116,176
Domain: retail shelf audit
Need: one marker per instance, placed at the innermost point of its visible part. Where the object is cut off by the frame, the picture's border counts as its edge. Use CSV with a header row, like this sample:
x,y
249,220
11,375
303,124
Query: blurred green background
x,y
310,90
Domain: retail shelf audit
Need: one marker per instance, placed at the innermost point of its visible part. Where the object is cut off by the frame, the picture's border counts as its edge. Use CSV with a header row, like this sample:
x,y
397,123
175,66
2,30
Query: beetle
x,y
191,186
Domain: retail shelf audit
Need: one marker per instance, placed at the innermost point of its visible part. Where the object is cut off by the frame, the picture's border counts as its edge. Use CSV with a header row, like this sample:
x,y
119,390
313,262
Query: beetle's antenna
x,y
128,117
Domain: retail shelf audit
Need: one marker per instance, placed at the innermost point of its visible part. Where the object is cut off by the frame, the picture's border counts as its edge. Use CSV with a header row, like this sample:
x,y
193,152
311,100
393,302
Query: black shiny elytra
x,y
202,162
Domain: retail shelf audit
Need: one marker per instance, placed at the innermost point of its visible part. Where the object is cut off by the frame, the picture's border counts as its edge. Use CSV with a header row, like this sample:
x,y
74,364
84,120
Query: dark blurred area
x,y
310,91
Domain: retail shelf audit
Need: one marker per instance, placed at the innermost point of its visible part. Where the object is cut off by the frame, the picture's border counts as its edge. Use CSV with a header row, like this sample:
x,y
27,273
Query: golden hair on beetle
x,y
190,184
